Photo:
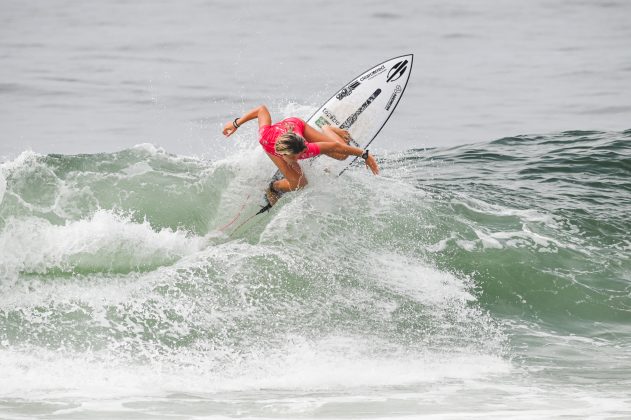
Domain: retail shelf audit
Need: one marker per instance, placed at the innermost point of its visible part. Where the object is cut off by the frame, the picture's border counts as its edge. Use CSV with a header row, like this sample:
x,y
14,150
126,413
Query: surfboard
x,y
364,104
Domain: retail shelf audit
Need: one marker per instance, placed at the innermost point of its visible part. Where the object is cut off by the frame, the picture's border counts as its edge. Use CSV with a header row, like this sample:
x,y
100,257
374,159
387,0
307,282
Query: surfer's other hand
x,y
228,129
372,165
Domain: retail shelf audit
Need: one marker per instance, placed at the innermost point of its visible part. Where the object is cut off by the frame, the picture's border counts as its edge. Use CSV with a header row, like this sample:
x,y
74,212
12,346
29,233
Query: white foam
x,y
3,187
502,239
335,374
421,282
526,215
344,362
25,159
487,240
466,245
440,245
332,363
138,168
150,148
103,242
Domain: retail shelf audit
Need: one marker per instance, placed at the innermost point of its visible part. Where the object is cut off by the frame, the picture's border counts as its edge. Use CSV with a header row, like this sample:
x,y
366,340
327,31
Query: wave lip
x,y
105,242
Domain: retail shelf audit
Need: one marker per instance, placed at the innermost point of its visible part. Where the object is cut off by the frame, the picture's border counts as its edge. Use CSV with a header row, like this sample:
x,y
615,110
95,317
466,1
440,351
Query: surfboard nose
x,y
408,57
398,67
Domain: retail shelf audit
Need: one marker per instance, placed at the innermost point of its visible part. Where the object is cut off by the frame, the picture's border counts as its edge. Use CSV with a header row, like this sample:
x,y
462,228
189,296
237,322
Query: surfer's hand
x,y
228,129
372,164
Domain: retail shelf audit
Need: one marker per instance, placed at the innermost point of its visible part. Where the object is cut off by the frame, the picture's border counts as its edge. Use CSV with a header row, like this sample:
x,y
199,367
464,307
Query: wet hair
x,y
290,143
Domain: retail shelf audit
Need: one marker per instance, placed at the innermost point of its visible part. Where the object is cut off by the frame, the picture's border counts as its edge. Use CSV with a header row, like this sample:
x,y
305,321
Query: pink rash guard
x,y
269,133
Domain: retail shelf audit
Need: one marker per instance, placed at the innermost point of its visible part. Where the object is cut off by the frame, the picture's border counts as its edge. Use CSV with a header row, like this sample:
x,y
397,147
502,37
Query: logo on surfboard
x,y
331,116
397,70
346,91
321,122
396,92
373,73
351,119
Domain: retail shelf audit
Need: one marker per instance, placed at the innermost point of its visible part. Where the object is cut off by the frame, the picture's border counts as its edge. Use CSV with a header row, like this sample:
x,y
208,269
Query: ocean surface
x,y
487,280
486,273
87,76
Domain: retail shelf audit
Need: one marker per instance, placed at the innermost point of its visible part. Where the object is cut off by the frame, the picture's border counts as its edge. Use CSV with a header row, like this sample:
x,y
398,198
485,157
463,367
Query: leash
x,y
237,216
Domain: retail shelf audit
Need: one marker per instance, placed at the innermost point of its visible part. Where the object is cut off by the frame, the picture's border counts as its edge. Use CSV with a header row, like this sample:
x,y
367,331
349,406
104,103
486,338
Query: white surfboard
x,y
363,105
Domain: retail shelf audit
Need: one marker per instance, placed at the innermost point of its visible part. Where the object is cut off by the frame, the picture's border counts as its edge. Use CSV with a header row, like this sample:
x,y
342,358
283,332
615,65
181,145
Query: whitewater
x,y
485,280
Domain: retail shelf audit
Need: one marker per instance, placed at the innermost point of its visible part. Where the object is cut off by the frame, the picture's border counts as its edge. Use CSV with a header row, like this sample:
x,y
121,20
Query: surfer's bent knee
x,y
300,183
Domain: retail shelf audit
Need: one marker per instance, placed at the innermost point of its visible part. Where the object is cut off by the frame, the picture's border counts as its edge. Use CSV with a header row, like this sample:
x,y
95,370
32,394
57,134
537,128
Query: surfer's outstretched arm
x,y
343,149
260,112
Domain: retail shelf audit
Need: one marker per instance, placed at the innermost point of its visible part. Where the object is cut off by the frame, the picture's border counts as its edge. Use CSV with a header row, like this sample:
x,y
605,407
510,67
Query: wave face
x,y
462,280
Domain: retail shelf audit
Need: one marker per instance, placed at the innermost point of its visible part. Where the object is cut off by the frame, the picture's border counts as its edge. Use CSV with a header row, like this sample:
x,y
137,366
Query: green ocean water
x,y
491,279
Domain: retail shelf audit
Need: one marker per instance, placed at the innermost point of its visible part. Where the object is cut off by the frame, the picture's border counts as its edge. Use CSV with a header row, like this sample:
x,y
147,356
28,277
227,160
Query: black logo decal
x,y
396,92
397,70
347,90
351,120
373,73
331,115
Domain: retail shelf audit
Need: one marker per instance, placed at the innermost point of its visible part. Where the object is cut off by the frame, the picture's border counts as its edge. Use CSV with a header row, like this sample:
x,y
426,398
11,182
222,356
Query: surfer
x,y
293,139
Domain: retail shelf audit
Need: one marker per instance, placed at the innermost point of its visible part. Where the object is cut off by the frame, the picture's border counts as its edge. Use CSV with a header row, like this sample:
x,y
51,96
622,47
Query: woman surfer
x,y
292,139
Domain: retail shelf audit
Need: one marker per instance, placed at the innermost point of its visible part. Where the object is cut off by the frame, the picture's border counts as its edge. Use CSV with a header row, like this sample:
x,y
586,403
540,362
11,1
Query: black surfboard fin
x,y
264,209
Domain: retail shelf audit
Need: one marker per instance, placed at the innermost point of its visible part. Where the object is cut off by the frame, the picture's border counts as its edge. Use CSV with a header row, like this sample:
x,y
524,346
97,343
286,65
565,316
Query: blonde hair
x,y
290,143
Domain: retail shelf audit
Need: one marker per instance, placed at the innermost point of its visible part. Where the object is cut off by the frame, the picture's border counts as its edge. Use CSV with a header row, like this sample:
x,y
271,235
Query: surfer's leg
x,y
294,177
342,134
326,136
335,134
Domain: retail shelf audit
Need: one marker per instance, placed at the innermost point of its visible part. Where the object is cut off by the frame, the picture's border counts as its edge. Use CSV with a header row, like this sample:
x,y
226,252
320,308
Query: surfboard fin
x,y
264,209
